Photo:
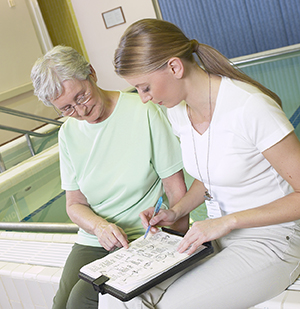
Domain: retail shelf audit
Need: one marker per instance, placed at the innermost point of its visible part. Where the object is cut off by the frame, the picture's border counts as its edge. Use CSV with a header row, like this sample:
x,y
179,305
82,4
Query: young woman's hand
x,y
163,218
203,231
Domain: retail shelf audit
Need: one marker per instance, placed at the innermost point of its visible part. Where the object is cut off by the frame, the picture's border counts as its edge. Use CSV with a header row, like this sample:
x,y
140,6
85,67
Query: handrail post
x,y
16,207
30,145
2,165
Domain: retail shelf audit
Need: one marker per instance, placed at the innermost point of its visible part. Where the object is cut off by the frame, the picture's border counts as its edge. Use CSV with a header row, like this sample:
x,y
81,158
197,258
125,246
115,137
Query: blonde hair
x,y
148,44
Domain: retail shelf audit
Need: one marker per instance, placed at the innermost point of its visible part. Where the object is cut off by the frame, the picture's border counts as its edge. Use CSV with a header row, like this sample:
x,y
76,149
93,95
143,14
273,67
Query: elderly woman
x,y
116,157
245,157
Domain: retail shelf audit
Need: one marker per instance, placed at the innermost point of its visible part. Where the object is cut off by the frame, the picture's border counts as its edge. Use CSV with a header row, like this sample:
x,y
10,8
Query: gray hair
x,y
59,64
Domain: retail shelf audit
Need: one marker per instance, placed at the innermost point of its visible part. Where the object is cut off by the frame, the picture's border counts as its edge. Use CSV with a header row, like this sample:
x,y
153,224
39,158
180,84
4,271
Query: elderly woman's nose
x,y
80,109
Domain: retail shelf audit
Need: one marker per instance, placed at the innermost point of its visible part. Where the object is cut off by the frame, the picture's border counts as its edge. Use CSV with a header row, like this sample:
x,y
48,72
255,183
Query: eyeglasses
x,y
69,110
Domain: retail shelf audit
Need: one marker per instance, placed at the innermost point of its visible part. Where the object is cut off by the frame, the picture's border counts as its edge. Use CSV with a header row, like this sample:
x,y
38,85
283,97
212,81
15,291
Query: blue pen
x,y
156,210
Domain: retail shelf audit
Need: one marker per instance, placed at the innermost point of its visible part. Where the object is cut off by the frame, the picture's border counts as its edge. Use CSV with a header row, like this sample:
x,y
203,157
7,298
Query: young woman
x,y
241,149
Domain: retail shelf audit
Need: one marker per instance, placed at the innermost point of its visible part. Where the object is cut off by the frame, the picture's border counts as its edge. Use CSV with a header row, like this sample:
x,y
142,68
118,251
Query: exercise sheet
x,y
142,261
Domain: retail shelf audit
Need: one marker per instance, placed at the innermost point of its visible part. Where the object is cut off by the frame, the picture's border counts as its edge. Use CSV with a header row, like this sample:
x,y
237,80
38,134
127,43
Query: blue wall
x,y
236,27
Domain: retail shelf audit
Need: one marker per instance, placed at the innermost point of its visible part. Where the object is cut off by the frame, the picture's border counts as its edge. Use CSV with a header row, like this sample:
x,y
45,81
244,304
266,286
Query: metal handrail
x,y
39,227
267,56
32,133
29,116
28,133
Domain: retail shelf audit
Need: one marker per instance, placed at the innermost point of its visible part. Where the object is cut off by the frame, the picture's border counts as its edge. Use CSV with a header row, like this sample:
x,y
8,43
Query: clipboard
x,y
102,286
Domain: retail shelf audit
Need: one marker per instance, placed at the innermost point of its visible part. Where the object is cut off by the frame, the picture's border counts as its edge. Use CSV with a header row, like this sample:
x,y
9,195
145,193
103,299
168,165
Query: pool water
x,y
31,191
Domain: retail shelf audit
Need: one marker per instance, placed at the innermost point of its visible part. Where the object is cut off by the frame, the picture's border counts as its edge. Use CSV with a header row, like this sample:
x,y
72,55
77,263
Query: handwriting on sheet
x,y
143,257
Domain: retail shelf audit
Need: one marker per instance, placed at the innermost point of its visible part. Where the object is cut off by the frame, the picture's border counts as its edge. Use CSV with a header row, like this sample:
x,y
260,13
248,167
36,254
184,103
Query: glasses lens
x,y
69,111
84,99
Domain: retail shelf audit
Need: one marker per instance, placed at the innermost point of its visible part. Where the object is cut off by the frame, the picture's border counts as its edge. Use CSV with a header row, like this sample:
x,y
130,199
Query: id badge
x,y
213,209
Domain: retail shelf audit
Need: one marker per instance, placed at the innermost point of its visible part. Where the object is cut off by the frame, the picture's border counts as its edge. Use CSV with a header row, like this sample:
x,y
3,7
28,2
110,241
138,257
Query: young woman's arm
x,y
285,159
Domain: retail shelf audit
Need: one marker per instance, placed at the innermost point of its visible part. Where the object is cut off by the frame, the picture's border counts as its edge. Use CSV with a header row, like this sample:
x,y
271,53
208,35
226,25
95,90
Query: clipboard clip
x,y
98,284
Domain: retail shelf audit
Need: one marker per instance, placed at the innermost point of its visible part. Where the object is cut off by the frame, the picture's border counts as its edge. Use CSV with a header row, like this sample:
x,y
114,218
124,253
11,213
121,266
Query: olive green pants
x,y
73,292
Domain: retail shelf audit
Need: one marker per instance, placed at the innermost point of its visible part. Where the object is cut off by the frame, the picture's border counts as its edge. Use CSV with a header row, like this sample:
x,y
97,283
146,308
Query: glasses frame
x,y
82,100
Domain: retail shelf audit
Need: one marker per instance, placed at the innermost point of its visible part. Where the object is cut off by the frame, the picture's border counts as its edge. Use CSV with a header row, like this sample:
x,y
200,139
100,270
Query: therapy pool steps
x,y
30,268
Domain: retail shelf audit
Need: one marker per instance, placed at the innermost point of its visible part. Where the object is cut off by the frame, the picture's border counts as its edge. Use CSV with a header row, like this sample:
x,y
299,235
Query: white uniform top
x,y
245,123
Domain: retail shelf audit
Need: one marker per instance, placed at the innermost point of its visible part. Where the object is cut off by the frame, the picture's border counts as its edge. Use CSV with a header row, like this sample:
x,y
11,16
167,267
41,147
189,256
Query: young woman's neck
x,y
202,95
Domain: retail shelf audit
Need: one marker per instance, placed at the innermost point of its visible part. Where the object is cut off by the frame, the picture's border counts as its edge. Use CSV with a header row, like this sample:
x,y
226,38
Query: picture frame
x,y
113,17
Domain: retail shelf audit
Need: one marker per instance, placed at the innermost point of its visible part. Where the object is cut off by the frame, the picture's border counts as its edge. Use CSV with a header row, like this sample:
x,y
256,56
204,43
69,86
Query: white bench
x,y
30,267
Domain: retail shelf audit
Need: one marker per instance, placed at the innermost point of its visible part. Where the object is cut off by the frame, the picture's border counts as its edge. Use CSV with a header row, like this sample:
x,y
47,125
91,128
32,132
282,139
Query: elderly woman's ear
x,y
93,74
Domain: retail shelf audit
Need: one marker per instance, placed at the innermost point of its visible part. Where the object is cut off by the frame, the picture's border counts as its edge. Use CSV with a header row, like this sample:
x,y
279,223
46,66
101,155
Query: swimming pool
x,y
30,185
31,190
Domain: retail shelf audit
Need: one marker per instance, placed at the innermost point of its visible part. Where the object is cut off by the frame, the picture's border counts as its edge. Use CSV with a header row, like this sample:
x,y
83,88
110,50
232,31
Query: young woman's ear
x,y
93,74
176,67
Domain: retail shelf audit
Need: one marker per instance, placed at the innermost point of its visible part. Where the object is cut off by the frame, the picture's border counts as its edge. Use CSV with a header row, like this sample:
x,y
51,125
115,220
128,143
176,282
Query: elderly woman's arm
x,y
109,235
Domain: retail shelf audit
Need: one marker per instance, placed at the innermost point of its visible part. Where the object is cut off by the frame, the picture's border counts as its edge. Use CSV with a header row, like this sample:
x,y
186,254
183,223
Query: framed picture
x,y
113,17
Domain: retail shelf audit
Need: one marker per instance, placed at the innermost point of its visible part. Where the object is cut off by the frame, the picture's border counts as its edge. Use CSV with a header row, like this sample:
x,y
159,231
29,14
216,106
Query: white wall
x,y
100,42
19,49
19,45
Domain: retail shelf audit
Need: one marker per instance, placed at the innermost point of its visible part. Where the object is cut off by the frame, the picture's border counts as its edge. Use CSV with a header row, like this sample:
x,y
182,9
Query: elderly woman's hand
x,y
111,236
